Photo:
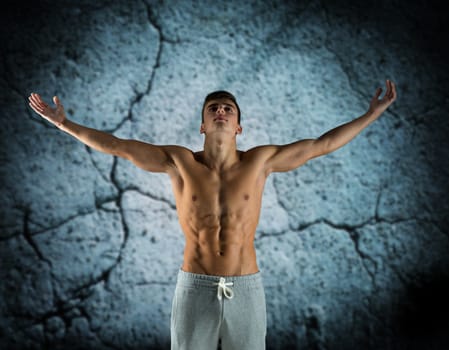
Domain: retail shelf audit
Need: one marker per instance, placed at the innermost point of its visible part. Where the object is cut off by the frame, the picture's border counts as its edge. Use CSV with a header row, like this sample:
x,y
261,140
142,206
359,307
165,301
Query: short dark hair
x,y
220,94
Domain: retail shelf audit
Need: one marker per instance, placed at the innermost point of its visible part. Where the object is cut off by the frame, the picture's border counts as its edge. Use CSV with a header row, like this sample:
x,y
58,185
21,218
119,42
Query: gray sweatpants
x,y
208,308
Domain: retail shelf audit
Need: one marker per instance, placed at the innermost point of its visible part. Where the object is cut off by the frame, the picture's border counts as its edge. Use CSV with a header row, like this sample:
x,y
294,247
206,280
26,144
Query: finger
x,y
37,109
43,104
34,98
377,94
393,89
56,101
37,103
33,102
41,101
390,95
38,100
387,93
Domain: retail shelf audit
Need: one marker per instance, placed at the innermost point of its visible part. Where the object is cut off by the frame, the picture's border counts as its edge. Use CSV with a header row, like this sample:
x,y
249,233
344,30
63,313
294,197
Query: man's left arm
x,y
291,156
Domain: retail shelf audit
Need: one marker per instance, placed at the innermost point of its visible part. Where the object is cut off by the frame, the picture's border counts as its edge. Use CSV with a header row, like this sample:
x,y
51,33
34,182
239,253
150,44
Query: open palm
x,y
53,115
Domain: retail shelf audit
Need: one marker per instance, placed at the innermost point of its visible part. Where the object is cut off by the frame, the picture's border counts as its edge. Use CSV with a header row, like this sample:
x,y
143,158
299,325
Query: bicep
x,y
144,155
291,156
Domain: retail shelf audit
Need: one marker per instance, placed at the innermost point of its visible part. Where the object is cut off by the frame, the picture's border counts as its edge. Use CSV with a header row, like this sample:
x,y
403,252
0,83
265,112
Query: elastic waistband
x,y
189,279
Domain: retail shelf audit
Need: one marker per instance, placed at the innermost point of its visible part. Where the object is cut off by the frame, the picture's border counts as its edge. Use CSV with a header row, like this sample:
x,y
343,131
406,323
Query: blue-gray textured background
x,y
353,246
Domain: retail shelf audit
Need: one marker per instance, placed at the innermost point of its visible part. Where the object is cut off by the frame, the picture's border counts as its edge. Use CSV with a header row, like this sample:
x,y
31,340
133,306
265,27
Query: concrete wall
x,y
353,246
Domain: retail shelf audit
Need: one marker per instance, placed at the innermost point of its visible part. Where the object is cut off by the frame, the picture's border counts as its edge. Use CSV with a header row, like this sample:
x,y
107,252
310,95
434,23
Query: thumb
x,y
378,92
56,101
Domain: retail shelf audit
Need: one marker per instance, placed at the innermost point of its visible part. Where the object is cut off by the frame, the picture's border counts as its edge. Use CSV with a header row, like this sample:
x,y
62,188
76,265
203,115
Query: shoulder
x,y
263,152
182,156
258,156
177,150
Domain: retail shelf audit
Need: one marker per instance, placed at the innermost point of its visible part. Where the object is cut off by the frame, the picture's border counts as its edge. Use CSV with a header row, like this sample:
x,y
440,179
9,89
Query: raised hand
x,y
377,105
53,115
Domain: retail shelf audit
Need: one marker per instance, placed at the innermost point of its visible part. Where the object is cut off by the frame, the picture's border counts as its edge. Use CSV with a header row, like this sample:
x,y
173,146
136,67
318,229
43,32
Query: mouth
x,y
220,119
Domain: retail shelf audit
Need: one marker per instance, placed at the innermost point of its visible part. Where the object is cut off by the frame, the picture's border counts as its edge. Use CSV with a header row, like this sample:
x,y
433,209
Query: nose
x,y
220,109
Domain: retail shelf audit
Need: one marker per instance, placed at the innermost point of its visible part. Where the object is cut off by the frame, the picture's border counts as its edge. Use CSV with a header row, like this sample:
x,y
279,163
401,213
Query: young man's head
x,y
220,113
220,95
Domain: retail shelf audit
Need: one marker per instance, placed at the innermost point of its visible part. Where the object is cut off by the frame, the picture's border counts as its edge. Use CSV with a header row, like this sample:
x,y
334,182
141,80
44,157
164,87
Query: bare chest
x,y
202,193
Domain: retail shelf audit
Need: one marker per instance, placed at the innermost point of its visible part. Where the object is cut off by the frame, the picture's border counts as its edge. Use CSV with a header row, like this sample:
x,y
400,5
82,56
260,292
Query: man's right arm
x,y
146,156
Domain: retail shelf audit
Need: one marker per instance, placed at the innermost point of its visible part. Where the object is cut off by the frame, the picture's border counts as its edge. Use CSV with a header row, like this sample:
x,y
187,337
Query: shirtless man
x,y
218,193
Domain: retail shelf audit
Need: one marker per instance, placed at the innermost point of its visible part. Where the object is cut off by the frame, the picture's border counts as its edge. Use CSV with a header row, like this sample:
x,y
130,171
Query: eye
x,y
213,108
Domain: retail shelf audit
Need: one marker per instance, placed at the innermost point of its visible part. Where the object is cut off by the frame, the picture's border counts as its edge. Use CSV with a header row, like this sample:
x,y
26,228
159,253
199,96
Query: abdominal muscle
x,y
225,248
219,258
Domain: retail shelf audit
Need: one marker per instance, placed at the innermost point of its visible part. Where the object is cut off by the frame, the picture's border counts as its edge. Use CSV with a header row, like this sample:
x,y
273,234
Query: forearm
x,y
342,134
96,139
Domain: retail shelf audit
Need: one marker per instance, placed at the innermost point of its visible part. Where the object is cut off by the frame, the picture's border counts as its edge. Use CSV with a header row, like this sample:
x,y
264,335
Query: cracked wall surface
x,y
353,246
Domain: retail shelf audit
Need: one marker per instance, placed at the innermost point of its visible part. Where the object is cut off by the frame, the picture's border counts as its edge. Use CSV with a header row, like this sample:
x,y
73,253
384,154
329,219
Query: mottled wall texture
x,y
353,246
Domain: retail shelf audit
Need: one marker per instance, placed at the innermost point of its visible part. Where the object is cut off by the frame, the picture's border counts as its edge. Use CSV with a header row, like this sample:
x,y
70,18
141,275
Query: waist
x,y
196,280
230,260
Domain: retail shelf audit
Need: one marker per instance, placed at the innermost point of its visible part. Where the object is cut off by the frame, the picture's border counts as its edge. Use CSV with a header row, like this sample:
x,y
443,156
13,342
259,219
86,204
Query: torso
x,y
218,213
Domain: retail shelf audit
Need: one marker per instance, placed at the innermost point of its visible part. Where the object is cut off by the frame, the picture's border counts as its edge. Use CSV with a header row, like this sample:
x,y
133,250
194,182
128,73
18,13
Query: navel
x,y
194,198
246,196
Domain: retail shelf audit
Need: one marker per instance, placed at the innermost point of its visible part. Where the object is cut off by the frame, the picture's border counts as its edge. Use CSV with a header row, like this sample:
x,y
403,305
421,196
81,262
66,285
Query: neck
x,y
220,153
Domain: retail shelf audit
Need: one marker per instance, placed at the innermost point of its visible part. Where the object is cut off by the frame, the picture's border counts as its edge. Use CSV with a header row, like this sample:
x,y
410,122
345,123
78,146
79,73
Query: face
x,y
220,115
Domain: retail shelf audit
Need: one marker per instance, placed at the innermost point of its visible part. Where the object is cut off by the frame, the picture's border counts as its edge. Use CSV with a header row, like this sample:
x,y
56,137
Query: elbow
x,y
119,147
322,146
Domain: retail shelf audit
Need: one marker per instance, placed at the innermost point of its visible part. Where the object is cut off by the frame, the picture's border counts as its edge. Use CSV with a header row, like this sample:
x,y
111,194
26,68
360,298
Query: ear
x,y
202,129
239,130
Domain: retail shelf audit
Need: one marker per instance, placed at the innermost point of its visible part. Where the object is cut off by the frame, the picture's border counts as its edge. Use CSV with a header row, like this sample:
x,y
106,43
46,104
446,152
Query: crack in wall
x,y
351,230
113,198
61,306
377,217
105,275
94,163
29,239
262,234
139,95
150,195
61,309
354,235
62,222
83,313
153,22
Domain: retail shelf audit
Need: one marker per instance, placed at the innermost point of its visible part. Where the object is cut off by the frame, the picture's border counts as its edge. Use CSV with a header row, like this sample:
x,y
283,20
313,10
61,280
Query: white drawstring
x,y
224,289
